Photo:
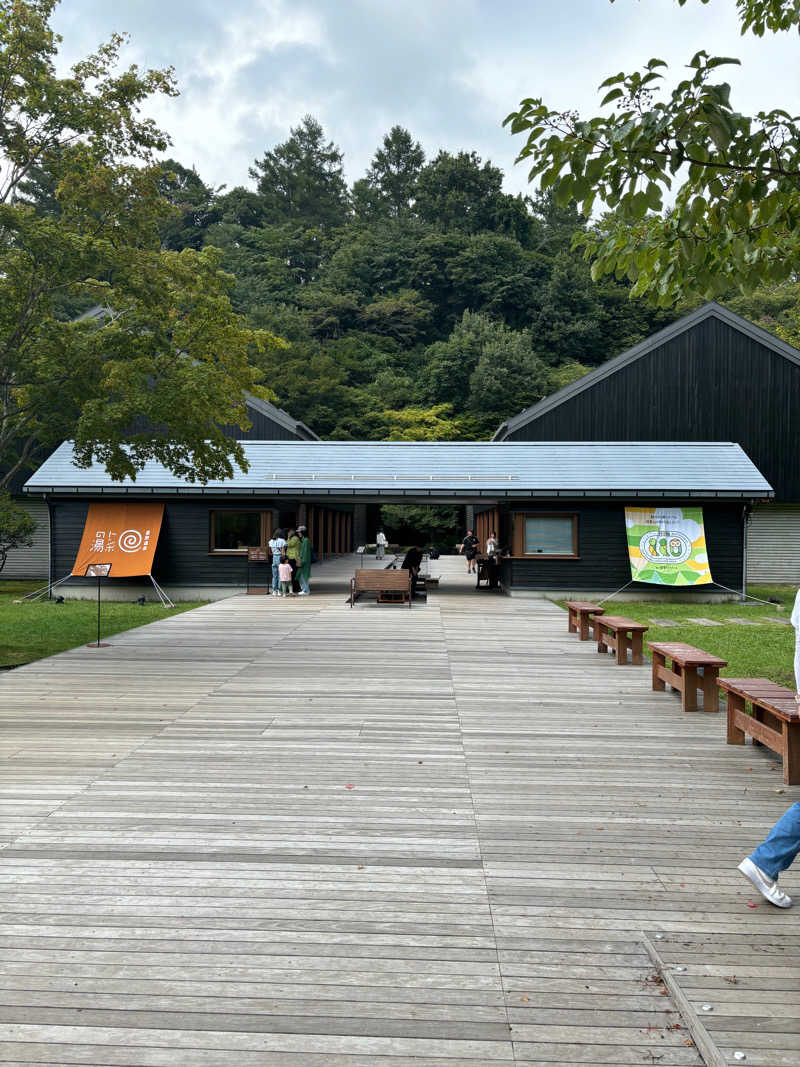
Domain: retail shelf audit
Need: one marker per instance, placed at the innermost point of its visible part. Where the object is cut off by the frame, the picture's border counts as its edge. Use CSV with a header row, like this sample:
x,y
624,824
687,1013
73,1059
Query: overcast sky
x,y
447,70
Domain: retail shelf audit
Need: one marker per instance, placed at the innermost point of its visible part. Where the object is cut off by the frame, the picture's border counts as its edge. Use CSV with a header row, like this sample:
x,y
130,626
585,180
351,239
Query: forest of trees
x,y
423,302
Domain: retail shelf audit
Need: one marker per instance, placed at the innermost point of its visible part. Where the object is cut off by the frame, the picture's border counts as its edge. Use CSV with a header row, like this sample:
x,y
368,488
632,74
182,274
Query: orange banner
x,y
123,535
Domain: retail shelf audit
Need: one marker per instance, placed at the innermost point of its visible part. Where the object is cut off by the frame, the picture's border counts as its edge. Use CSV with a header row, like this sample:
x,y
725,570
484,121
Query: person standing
x,y
491,544
469,546
293,556
380,544
304,568
782,844
286,572
277,547
412,563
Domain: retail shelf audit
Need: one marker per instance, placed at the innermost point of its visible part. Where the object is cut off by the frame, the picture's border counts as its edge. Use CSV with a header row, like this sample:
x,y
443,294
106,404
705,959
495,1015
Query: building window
x,y
236,531
546,536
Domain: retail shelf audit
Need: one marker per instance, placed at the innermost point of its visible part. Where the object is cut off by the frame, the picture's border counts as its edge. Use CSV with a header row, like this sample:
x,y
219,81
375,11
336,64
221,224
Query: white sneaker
x,y
764,884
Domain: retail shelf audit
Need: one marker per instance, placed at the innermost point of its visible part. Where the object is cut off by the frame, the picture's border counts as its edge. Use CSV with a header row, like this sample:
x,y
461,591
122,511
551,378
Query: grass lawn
x,y
29,631
764,651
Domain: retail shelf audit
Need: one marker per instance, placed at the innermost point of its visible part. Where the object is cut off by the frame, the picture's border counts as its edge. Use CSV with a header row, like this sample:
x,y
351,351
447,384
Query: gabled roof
x,y
462,469
100,312
707,311
283,418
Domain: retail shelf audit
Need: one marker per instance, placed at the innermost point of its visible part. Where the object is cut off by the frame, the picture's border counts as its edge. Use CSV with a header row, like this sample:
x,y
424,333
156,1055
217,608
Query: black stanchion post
x,y
98,571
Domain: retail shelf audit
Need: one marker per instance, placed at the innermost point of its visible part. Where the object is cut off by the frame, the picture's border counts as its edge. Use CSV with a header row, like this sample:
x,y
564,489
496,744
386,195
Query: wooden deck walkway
x,y
188,878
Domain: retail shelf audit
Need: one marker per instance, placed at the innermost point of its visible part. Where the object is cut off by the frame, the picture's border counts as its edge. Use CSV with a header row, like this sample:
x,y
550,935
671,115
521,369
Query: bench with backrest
x,y
579,617
615,632
390,585
683,674
774,720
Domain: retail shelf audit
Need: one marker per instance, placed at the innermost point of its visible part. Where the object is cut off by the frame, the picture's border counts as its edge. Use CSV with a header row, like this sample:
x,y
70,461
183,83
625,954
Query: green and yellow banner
x,y
667,546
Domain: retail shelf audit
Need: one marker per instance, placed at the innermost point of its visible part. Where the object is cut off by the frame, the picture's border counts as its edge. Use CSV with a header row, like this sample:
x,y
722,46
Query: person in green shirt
x,y
304,568
293,555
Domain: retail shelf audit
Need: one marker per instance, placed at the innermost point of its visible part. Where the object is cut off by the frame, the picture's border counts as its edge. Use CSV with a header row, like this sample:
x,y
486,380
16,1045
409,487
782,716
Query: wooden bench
x,y
774,721
579,617
683,674
388,584
620,634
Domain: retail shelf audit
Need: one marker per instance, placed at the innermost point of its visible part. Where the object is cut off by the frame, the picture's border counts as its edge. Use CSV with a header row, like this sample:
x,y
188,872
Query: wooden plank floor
x,y
291,833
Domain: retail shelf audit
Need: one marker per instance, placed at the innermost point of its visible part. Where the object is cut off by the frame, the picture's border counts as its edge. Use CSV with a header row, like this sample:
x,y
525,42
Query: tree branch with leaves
x,y
168,362
733,180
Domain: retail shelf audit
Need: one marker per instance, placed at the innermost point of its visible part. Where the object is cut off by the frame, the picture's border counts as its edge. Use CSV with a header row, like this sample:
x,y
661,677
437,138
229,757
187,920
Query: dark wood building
x,y
710,376
559,508
267,423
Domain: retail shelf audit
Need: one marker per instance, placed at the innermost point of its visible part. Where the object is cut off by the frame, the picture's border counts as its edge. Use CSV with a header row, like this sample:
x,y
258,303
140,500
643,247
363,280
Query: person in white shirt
x,y
380,544
277,547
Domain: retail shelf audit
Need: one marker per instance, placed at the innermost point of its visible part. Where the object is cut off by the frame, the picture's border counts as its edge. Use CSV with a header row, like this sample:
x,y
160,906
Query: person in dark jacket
x,y
412,563
303,573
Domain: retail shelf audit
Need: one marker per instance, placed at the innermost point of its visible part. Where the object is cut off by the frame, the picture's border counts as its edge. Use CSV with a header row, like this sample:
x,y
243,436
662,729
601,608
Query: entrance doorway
x,y
426,526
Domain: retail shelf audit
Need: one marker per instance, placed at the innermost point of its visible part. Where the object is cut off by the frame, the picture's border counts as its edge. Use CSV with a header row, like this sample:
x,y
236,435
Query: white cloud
x,y
448,70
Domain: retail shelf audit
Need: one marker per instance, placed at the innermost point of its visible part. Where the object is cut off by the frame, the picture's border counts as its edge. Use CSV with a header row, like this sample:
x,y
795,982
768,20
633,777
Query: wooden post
x,y
622,646
735,733
791,753
659,661
710,689
689,691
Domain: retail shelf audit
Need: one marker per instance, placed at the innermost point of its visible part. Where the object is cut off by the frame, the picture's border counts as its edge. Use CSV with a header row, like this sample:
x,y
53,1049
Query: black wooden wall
x,y
262,428
603,549
182,555
710,383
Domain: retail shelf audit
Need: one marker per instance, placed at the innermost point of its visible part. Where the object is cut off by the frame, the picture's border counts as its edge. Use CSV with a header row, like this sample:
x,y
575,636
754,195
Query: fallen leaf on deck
x,y
750,904
348,786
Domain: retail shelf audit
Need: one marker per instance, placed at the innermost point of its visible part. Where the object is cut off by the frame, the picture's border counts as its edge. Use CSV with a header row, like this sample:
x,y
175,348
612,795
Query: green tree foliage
x,y
458,192
705,198
16,527
195,204
408,524
169,346
302,178
390,184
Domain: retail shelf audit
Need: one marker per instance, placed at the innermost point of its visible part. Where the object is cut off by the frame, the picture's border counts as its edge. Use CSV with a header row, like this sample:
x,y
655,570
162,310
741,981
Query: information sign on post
x,y
98,571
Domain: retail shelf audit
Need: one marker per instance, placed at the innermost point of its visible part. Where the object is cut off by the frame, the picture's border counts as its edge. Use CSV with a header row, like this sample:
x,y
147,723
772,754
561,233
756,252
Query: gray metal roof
x,y
474,469
709,310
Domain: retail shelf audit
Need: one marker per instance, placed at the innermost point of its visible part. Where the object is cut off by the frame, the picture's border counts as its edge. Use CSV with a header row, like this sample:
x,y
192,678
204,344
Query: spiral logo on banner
x,y
134,540
121,537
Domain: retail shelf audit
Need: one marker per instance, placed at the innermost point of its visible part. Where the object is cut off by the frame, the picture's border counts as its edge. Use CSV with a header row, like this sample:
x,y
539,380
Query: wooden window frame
x,y
265,528
518,538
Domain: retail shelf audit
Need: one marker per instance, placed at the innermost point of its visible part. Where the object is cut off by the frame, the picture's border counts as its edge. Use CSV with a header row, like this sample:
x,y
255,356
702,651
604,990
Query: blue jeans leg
x,y
781,846
276,582
304,588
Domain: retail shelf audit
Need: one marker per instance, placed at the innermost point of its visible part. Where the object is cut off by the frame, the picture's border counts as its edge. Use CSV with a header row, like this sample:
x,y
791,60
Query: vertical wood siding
x,y
711,383
182,555
773,544
31,562
602,547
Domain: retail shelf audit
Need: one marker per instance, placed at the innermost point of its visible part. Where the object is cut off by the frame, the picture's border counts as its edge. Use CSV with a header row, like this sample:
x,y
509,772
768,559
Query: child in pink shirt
x,y
285,576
